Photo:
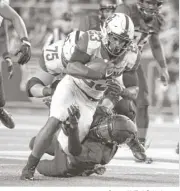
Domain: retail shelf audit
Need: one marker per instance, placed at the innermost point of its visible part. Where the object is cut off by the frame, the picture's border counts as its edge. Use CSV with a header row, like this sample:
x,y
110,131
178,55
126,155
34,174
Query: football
x,y
98,64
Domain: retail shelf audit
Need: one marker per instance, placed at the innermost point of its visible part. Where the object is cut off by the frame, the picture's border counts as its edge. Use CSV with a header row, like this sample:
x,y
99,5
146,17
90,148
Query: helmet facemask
x,y
149,8
106,11
117,34
106,8
117,44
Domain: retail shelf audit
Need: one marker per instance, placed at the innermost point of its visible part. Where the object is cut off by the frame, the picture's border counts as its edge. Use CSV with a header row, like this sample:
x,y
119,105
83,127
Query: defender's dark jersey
x,y
143,29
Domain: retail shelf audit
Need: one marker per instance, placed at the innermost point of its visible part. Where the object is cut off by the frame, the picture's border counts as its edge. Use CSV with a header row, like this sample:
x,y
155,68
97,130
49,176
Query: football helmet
x,y
106,8
117,129
149,8
117,33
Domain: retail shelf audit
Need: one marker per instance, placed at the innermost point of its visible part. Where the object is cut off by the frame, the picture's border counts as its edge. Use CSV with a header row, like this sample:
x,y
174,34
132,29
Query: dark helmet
x,y
106,8
149,8
117,129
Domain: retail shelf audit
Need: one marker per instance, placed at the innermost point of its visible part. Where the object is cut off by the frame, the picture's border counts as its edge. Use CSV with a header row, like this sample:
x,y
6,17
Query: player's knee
x,y
51,126
31,82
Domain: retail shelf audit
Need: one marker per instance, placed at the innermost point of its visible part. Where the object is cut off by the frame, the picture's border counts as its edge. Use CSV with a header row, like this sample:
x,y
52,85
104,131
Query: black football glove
x,y
25,51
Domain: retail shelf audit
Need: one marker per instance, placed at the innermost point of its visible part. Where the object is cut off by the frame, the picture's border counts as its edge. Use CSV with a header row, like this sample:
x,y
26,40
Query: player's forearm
x,y
5,26
130,93
74,144
40,91
36,88
79,70
10,14
158,51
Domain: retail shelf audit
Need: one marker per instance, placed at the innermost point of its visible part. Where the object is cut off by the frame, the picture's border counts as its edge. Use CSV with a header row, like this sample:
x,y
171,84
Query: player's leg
x,y
5,117
87,109
56,167
51,148
142,117
62,99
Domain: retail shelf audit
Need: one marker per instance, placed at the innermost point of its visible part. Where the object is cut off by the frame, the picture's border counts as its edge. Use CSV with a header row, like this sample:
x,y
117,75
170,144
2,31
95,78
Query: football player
x,y
98,148
61,28
7,13
84,85
52,63
147,20
95,21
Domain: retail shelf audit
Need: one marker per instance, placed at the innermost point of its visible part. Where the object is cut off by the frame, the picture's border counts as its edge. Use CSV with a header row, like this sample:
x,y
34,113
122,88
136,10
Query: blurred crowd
x,y
43,17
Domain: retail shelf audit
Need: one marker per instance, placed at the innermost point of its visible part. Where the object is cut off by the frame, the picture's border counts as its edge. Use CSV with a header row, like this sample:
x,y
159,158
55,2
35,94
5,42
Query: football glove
x,y
24,51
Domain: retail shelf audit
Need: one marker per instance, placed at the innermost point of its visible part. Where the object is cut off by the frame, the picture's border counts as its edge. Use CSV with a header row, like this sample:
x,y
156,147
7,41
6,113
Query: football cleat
x,y
138,150
27,173
6,119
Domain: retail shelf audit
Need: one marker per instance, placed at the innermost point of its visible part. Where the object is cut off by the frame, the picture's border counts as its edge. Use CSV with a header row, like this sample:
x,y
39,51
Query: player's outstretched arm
x,y
10,14
37,86
158,54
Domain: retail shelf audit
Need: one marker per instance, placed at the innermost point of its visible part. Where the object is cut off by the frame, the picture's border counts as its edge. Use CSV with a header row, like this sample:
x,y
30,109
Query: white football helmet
x,y
117,33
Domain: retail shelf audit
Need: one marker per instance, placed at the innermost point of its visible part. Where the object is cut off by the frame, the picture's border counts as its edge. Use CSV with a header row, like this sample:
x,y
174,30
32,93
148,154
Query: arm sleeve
x,y
80,52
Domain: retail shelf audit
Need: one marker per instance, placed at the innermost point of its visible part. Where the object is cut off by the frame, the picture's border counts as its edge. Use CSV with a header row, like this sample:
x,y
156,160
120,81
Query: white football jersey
x,y
57,54
93,48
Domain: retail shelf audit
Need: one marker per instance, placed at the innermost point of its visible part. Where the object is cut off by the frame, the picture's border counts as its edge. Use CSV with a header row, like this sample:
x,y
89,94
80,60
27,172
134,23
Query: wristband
x,y
25,40
47,91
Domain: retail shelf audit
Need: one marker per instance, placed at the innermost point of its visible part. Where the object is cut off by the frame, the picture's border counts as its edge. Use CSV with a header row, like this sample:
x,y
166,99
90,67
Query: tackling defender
x,y
88,85
147,20
7,13
98,148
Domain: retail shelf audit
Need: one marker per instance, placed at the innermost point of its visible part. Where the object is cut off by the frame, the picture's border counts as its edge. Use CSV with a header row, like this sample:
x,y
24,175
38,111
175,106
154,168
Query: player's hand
x,y
25,51
10,67
74,116
47,101
164,76
113,87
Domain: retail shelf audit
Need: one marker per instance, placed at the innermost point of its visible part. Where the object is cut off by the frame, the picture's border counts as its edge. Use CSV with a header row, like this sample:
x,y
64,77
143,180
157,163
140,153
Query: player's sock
x,y
2,95
142,121
29,170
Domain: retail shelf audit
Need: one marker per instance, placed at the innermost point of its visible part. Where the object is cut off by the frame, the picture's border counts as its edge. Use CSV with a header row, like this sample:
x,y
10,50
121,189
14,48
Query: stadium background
x,y
38,16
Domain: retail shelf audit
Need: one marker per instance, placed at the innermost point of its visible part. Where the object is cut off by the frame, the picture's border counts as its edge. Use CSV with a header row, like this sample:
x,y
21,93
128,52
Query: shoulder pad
x,y
94,41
